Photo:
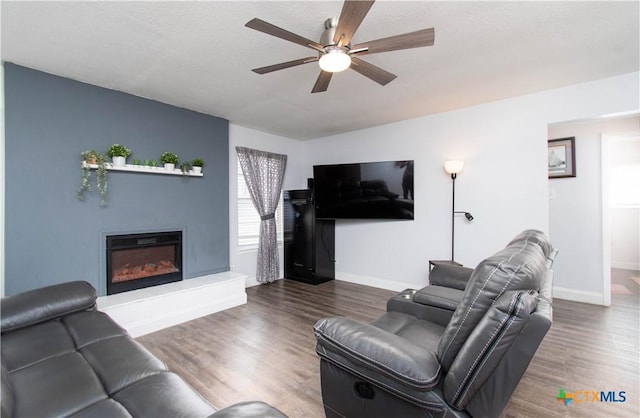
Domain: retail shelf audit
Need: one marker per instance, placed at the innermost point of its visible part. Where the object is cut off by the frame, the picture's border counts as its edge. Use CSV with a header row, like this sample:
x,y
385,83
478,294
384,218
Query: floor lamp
x,y
454,167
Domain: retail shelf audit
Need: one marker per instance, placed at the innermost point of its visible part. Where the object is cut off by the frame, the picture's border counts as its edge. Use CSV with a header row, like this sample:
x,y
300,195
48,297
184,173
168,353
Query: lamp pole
x,y
453,214
454,167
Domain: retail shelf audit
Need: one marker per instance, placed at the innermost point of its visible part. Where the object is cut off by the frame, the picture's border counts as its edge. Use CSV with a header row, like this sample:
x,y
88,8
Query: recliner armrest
x,y
450,275
40,305
376,355
439,296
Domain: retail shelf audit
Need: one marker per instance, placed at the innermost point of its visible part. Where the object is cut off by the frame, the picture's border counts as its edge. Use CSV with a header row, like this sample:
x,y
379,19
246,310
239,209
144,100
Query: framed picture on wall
x,y
562,157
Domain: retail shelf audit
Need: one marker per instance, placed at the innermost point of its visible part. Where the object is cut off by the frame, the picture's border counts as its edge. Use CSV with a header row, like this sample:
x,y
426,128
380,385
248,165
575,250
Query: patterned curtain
x,y
263,172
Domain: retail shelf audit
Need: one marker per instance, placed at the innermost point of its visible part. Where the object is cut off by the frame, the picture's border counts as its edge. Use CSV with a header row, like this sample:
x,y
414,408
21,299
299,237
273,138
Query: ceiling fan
x,y
335,52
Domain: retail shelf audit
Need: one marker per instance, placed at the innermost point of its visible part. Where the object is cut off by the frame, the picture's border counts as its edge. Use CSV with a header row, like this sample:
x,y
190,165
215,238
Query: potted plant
x,y
169,160
99,160
90,157
197,165
119,154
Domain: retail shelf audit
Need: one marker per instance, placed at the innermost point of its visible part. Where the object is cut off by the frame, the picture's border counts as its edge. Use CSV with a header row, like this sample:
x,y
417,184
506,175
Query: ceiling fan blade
x,y
283,65
417,39
376,74
269,29
353,13
322,83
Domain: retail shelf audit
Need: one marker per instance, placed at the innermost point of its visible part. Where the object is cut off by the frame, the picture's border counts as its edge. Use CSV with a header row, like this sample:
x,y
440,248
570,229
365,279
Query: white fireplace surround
x,y
151,309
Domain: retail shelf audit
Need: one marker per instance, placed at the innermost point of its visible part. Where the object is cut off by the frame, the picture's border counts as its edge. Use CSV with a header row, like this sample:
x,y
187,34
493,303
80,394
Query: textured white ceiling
x,y
198,55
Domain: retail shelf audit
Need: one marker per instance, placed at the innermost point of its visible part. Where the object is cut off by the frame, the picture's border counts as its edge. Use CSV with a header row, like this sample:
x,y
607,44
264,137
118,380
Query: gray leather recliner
x,y
406,364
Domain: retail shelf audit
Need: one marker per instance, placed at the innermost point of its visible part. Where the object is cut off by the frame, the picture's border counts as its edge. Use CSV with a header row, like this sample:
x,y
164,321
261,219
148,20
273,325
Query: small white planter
x,y
197,170
119,161
169,166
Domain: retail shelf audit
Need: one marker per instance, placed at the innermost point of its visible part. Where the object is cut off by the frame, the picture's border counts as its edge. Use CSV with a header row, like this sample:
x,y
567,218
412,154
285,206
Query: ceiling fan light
x,y
335,60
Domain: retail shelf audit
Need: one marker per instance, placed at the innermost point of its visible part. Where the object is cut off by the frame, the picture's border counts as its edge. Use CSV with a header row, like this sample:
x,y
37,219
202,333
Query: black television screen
x,y
376,190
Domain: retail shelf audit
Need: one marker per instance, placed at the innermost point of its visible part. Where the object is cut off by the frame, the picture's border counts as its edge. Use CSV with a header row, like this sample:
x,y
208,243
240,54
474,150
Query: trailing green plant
x,y
169,158
100,160
185,167
117,150
197,162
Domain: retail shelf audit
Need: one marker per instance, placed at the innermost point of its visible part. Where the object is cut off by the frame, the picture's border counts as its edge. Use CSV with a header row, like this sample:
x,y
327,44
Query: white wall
x,y
295,178
625,229
2,180
576,212
504,183
624,152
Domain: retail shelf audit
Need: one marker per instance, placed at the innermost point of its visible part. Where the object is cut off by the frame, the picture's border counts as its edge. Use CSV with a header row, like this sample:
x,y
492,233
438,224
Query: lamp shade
x,y
335,60
453,166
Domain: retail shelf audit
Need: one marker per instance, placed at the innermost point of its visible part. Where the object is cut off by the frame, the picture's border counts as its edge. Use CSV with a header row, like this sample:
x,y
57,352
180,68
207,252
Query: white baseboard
x,y
376,282
154,308
574,295
252,281
625,265
577,295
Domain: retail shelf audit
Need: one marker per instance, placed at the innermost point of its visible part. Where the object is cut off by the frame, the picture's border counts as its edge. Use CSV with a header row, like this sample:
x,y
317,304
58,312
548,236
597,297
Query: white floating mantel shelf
x,y
147,170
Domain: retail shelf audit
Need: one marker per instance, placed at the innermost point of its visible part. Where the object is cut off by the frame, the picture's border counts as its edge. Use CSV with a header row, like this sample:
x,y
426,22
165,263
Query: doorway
x,y
580,212
621,214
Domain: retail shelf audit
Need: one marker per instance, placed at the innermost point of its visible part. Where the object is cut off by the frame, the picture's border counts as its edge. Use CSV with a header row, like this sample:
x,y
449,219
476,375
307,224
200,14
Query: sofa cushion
x,y
367,349
88,327
40,305
422,333
34,344
487,345
385,359
120,362
163,395
519,266
57,386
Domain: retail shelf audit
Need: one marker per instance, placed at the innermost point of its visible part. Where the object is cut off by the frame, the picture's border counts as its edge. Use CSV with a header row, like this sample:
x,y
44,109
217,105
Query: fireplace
x,y
135,261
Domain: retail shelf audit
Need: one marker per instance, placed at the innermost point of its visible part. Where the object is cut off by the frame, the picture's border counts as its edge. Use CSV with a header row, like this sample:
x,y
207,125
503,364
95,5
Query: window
x,y
248,218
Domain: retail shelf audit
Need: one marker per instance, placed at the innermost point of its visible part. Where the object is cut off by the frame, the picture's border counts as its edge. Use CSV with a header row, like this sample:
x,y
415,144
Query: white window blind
x,y
248,218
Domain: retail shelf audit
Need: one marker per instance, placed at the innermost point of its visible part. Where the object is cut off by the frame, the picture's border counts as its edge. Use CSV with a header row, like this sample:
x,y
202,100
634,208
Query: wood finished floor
x,y
265,350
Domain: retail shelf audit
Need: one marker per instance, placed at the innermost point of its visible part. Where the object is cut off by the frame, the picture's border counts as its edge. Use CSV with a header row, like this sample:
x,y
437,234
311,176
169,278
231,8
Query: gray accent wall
x,y
52,237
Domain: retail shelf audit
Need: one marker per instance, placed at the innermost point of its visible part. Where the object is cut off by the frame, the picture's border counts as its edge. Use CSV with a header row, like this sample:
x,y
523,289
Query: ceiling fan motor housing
x,y
329,31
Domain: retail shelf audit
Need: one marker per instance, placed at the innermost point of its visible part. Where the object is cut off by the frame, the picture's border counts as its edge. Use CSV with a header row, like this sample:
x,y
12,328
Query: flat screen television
x,y
373,190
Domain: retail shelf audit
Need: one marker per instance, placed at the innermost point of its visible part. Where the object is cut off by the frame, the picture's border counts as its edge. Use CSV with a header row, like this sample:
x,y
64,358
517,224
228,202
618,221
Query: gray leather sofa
x,y
422,359
61,357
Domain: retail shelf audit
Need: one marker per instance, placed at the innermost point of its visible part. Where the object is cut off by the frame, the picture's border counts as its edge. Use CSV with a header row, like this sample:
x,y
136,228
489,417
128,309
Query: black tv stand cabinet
x,y
309,243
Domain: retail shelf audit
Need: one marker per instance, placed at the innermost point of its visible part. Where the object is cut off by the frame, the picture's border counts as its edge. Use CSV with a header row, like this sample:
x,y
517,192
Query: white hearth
x,y
153,308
